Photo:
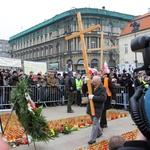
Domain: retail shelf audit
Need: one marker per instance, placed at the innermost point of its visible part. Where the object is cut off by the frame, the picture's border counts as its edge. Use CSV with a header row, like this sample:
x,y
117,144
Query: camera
x,y
142,44
140,102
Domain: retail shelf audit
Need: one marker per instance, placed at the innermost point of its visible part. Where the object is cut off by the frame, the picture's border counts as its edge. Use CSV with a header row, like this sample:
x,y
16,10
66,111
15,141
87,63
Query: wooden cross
x,y
102,49
81,35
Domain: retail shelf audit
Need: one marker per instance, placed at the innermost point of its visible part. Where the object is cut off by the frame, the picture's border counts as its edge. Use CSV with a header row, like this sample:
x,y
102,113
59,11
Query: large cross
x,y
81,35
102,48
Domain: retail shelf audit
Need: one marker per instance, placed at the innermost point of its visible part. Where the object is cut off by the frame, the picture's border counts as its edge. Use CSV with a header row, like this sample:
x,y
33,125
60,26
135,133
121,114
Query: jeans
x,y
125,100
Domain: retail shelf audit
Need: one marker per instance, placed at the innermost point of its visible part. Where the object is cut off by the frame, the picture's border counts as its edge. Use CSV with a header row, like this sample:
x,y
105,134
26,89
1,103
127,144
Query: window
x,y
81,61
126,48
110,28
58,48
70,45
93,44
37,40
94,63
71,28
51,51
58,32
30,42
41,38
33,41
45,37
80,46
92,23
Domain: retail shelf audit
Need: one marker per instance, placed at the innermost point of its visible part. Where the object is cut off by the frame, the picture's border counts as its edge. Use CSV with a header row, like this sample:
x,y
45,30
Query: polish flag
x,y
105,68
40,72
92,70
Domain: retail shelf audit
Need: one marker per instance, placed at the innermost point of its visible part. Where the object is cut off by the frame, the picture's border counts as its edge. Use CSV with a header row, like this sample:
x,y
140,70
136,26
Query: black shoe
x,y
91,142
71,111
99,135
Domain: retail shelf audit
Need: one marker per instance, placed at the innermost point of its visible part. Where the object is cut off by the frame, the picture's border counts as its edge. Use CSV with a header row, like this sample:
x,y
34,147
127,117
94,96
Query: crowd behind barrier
x,y
43,95
49,88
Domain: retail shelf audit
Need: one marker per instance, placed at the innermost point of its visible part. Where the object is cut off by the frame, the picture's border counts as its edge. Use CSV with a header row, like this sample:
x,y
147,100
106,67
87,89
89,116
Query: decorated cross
x,y
102,48
81,35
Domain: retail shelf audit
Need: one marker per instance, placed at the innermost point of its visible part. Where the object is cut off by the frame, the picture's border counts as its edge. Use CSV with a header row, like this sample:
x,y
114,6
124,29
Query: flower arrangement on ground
x,y
28,114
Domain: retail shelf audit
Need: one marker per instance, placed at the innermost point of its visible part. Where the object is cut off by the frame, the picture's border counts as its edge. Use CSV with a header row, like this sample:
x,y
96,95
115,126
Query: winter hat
x,y
14,71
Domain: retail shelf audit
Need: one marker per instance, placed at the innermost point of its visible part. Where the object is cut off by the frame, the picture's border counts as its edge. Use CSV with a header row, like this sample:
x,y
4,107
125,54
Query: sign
x,y
36,67
53,65
10,62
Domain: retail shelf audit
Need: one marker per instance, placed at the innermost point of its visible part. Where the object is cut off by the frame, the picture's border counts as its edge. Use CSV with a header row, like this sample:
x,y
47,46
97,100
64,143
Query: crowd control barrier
x,y
49,95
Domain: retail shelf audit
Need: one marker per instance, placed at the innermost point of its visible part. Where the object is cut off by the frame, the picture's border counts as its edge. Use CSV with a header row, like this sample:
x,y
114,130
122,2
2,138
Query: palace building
x,y
45,42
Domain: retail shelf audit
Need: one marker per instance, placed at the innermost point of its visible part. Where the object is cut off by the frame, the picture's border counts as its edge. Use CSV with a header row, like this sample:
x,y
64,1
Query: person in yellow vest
x,y
111,96
144,82
79,84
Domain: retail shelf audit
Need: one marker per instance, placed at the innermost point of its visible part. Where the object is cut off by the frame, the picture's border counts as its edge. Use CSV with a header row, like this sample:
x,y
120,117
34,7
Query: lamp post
x,y
135,27
73,14
59,57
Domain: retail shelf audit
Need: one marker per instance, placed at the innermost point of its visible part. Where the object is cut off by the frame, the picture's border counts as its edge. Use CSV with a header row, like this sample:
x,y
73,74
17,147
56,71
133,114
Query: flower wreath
x,y
28,114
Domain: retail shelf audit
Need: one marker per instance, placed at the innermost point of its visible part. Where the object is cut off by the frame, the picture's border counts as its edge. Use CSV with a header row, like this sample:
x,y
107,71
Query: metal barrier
x,y
51,95
39,94
5,95
48,94
122,95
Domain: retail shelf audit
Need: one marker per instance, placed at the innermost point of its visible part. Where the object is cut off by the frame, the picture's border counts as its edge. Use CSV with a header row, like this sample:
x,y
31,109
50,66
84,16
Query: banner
x,y
36,67
53,65
10,62
105,68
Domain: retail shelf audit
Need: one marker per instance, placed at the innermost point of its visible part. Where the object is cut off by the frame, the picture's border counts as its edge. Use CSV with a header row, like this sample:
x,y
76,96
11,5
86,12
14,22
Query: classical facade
x,y
45,42
4,48
139,26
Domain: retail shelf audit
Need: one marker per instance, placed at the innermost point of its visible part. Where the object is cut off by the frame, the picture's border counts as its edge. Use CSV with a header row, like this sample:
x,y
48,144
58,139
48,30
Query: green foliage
x,y
66,129
34,124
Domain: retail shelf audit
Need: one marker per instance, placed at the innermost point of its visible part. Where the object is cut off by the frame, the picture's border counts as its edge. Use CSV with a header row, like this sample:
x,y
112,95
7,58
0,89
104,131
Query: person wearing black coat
x,y
99,97
14,79
107,104
70,88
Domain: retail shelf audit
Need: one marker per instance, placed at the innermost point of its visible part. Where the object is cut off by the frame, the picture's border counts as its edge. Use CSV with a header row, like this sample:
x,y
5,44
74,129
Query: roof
x,y
65,14
144,23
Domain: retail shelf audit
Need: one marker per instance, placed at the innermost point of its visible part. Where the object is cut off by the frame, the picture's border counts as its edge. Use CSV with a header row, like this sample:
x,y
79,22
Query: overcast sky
x,y
19,15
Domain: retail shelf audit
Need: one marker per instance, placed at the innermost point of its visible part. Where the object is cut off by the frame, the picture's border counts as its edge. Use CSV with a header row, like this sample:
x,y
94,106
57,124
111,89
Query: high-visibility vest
x,y
79,84
106,86
145,84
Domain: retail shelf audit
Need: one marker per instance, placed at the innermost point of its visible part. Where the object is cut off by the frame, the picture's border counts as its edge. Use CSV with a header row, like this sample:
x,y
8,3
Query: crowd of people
x,y
73,86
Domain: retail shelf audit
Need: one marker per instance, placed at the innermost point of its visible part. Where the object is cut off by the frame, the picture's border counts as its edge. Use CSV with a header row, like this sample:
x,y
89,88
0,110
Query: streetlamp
x,y
69,31
59,57
135,27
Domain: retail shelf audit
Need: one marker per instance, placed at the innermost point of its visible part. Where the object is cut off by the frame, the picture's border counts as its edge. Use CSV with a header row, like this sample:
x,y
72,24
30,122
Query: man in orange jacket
x,y
111,95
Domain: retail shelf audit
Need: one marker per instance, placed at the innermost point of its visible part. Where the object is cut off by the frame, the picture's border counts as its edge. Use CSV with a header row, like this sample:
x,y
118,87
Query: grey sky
x,y
19,15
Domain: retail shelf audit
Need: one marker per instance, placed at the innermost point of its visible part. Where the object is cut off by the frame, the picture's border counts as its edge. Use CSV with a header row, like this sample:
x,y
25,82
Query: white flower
x,y
30,108
27,96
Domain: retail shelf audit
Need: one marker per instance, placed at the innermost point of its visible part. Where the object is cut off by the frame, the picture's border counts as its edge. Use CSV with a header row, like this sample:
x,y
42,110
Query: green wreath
x,y
28,115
